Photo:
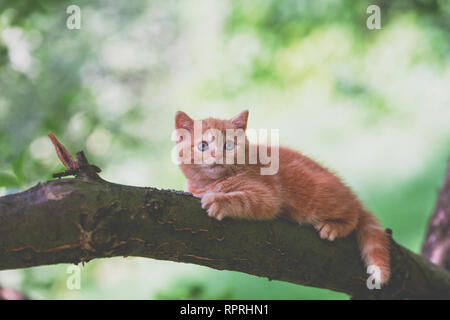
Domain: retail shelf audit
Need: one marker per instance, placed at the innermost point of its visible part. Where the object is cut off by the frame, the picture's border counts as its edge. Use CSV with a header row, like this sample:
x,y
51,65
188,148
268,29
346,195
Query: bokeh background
x,y
373,105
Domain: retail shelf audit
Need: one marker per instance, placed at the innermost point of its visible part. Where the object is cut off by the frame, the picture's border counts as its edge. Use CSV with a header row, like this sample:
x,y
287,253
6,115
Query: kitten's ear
x,y
183,121
240,121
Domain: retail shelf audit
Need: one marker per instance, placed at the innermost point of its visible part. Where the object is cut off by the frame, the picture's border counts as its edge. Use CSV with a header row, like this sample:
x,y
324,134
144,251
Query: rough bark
x,y
436,246
80,219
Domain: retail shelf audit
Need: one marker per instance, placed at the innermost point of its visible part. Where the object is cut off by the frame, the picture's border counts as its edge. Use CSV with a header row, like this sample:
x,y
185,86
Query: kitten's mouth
x,y
215,165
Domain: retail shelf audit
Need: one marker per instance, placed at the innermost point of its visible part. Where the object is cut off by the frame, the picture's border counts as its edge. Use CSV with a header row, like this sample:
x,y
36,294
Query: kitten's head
x,y
211,147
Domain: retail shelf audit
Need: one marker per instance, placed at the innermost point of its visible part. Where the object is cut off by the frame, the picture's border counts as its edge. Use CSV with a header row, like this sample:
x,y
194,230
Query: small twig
x,y
63,155
78,168
70,172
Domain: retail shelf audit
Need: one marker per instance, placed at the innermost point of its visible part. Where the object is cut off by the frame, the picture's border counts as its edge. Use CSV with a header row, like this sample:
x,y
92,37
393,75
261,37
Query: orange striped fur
x,y
301,190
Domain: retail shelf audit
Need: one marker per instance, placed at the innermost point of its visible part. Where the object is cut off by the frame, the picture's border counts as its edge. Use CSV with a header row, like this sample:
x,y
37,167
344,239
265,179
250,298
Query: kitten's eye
x,y
229,145
202,146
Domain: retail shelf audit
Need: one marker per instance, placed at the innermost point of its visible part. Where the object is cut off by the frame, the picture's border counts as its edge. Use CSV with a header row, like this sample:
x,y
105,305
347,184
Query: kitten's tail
x,y
374,244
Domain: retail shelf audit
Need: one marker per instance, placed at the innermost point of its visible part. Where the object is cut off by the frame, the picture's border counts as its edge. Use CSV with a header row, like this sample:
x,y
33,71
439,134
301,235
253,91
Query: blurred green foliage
x,y
374,105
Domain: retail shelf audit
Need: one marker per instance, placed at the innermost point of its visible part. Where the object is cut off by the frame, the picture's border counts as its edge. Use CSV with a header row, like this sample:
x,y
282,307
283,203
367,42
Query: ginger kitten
x,y
301,190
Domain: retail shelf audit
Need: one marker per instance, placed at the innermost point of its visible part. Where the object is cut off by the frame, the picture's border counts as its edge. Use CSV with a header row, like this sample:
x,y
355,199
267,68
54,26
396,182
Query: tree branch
x,y
436,246
73,220
80,219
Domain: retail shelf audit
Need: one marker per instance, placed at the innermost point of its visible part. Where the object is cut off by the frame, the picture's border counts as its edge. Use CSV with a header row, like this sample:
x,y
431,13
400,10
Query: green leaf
x,y
17,166
8,180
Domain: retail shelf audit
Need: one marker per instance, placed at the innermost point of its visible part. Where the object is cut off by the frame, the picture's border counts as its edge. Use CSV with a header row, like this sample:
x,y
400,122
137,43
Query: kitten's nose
x,y
213,154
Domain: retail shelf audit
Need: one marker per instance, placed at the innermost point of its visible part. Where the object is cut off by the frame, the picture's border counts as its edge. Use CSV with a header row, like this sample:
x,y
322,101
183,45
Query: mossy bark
x,y
80,219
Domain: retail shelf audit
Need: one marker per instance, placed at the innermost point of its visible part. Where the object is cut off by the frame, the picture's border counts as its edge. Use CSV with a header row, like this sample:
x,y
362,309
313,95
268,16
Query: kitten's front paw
x,y
326,231
211,204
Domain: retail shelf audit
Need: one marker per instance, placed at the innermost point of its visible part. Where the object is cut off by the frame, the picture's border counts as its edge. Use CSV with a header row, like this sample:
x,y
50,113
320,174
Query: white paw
x,y
212,206
325,231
